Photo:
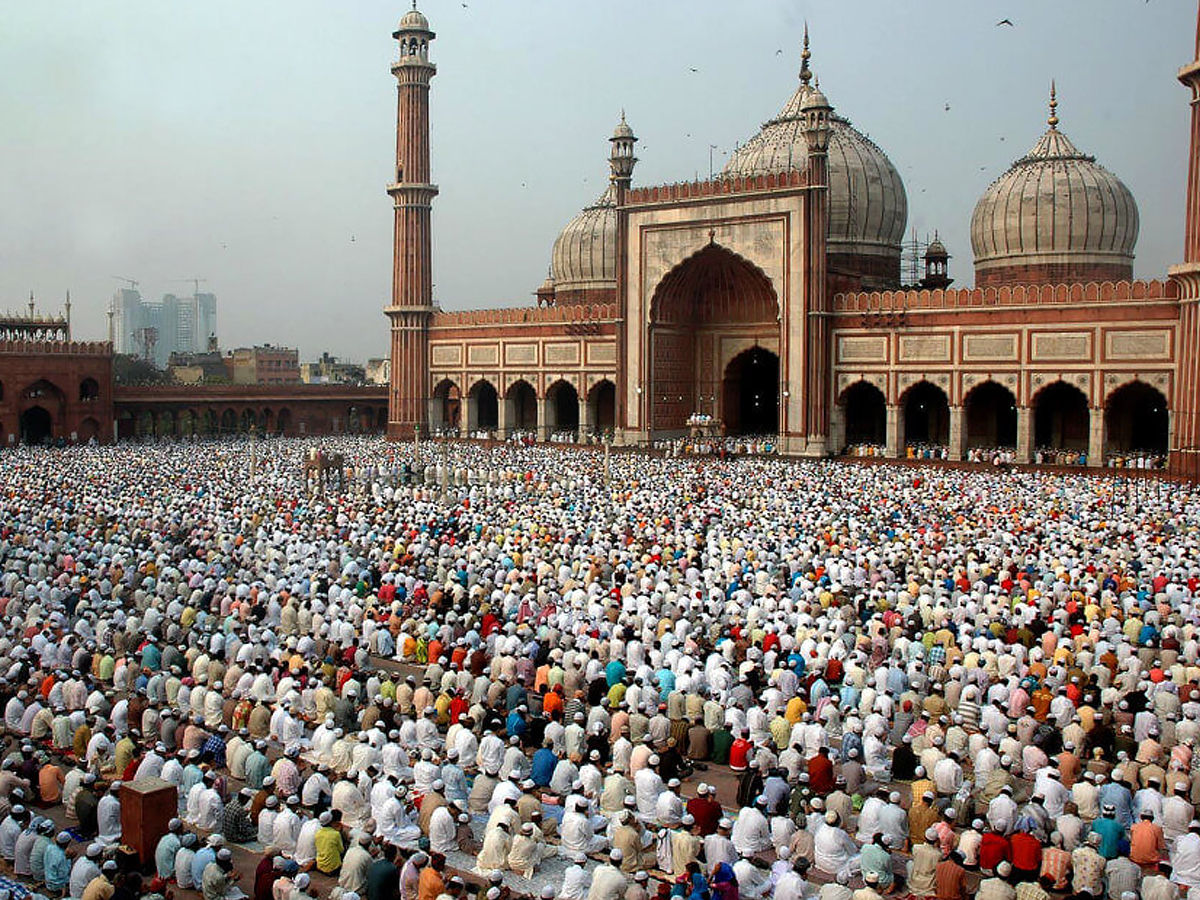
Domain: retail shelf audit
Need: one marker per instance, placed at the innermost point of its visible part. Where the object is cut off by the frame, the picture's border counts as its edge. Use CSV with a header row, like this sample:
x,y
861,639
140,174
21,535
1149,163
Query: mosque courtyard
x,y
584,640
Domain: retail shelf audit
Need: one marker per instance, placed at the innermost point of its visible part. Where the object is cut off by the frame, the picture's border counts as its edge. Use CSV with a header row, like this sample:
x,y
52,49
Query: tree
x,y
129,369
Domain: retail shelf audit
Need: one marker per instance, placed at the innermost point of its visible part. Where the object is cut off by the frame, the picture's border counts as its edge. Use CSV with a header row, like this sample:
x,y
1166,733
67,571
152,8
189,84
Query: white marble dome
x,y
1056,207
585,253
868,209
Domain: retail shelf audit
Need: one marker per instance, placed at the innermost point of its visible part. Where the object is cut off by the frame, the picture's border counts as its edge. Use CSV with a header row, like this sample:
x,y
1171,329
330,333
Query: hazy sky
x,y
250,143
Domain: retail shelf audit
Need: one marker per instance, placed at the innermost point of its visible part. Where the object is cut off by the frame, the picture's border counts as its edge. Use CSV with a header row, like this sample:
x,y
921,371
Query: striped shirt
x,y
1056,867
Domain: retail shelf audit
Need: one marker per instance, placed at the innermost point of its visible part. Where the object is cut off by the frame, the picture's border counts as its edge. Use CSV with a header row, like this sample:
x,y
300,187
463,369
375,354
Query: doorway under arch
x,y
991,416
750,393
522,407
447,406
603,403
926,415
1061,418
1136,420
865,410
562,408
483,407
37,426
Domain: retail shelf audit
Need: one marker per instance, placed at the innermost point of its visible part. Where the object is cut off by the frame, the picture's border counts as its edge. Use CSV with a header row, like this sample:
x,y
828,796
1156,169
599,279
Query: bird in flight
x,y
778,52
690,69
1007,22
947,107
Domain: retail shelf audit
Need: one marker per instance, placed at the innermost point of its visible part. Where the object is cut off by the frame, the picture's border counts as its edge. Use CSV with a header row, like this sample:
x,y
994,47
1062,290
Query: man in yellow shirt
x,y
328,840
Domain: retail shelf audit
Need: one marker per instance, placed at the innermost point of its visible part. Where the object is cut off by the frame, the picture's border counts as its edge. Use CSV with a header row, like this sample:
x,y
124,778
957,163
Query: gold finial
x,y
805,74
1053,120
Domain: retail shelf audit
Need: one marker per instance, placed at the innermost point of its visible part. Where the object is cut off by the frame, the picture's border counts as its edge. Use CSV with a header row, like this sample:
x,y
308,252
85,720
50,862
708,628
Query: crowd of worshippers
x,y
943,685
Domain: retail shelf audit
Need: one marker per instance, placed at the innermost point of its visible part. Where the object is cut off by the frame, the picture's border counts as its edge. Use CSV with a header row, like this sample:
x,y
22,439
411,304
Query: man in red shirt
x,y
820,773
705,809
739,752
993,847
1026,856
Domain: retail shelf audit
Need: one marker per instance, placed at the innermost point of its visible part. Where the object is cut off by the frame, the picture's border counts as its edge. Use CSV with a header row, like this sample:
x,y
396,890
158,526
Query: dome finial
x,y
1053,120
805,73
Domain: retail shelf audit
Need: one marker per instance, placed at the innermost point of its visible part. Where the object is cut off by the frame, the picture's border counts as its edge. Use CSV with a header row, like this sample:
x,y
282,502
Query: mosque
x,y
768,299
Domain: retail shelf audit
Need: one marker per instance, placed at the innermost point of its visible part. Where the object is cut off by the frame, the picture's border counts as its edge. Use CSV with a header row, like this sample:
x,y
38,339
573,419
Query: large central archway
x,y
750,393
711,304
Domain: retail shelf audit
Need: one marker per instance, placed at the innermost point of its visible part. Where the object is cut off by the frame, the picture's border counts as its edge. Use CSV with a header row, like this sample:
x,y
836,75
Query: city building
x,y
379,370
768,298
154,330
266,364
330,370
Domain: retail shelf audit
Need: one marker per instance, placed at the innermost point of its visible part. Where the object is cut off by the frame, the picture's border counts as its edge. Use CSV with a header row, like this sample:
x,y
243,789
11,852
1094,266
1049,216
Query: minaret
x,y
816,112
1185,445
621,160
412,195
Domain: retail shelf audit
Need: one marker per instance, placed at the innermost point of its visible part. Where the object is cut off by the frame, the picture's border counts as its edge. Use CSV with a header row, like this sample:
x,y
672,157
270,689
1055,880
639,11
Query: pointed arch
x,y
990,411
926,411
865,413
1061,418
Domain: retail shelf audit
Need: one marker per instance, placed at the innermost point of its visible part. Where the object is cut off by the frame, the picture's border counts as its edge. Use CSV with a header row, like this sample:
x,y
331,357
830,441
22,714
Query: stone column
x,y
471,420
502,418
894,450
837,429
958,437
1024,434
586,423
1096,437
543,419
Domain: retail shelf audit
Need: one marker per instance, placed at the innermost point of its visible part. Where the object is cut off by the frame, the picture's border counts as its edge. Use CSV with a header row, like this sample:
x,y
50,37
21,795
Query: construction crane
x,y
195,283
132,282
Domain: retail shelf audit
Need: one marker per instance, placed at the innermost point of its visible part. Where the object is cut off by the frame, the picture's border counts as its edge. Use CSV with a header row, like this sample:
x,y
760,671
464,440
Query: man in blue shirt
x,y
1111,832
544,761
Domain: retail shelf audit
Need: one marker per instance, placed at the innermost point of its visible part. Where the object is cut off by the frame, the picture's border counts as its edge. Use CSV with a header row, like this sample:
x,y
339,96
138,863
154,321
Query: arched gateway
x,y
714,338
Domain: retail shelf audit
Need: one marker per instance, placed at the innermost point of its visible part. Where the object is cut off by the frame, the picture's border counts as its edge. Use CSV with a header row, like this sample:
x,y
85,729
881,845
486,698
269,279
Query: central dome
x,y
868,209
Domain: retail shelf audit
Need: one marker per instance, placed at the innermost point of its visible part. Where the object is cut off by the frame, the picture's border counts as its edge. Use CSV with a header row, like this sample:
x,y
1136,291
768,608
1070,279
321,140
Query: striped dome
x,y
868,208
1055,207
585,253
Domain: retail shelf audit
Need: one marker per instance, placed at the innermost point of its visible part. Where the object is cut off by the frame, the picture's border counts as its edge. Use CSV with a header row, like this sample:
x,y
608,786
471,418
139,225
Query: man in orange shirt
x,y
1147,847
431,884
50,784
